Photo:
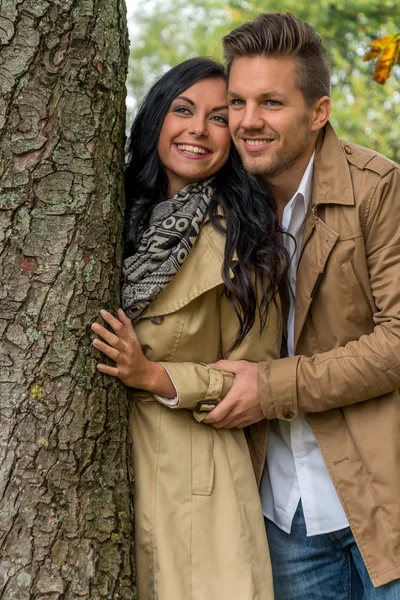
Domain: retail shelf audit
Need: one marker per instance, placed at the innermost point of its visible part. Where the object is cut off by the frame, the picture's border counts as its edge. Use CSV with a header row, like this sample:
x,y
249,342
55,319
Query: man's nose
x,y
251,119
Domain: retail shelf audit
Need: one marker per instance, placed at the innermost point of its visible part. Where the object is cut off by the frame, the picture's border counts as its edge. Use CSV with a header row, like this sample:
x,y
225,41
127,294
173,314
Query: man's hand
x,y
240,407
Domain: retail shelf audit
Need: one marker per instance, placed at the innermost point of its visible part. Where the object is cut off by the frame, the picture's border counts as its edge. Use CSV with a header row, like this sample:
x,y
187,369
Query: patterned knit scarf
x,y
163,246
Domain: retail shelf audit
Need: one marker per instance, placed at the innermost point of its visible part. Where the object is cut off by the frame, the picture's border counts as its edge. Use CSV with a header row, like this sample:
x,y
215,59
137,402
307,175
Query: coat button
x,y
157,320
348,149
288,414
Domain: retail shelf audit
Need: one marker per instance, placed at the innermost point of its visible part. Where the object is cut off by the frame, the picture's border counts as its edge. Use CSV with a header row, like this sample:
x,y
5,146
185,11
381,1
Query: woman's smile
x,y
192,150
194,142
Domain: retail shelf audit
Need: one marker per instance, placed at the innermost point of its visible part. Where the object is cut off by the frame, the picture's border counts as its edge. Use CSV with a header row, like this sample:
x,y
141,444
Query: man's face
x,y
268,118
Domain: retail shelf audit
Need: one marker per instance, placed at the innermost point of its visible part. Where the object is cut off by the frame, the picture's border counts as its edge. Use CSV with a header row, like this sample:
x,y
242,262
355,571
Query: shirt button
x,y
157,320
348,149
288,414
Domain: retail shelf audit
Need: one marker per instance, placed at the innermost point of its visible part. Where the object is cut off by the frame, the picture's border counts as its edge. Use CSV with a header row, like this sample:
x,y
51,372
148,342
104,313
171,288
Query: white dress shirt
x,y
294,467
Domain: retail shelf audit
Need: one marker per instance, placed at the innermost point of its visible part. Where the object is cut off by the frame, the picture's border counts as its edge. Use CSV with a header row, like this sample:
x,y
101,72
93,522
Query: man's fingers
x,y
219,413
231,366
224,415
106,349
224,424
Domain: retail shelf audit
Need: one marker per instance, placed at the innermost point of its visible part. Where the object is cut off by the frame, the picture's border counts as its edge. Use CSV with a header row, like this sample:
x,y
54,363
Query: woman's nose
x,y
199,129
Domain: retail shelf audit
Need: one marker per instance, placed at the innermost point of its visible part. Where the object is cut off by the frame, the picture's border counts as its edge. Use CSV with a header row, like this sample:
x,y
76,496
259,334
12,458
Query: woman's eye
x,y
220,119
183,110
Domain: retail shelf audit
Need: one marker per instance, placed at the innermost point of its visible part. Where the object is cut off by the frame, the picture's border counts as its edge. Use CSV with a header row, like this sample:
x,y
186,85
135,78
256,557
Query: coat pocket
x,y
202,459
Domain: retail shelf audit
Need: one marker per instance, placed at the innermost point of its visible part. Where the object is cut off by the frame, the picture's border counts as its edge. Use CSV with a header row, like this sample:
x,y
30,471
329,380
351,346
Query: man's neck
x,y
285,185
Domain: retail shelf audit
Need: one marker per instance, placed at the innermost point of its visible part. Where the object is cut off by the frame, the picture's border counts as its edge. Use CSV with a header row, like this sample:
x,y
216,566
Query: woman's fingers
x,y
121,329
107,335
123,318
122,346
107,370
109,351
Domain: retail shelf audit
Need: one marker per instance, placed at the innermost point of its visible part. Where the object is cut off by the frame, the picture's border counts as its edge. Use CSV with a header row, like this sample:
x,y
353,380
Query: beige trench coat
x,y
199,527
346,373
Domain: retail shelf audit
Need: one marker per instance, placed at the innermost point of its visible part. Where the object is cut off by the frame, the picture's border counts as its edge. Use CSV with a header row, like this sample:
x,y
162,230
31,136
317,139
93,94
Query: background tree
x,y
65,510
169,31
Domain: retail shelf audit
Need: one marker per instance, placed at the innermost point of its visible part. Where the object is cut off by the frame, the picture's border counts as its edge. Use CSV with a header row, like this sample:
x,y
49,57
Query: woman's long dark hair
x,y
249,222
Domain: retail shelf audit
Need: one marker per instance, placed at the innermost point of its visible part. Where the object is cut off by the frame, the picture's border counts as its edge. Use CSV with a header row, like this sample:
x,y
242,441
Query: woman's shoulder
x,y
200,272
214,238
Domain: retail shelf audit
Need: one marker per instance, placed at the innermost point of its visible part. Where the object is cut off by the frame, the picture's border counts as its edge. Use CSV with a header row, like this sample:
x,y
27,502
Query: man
x,y
332,404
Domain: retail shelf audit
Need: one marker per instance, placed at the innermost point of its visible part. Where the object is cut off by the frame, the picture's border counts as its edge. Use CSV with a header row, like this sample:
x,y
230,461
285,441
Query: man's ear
x,y
320,114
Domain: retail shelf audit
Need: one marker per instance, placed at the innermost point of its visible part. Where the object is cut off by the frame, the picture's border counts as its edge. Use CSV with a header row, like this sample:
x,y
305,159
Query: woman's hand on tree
x,y
131,365
122,346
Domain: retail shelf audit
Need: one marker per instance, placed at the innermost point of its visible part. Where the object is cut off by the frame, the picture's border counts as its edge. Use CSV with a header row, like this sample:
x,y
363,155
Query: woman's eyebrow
x,y
216,108
186,99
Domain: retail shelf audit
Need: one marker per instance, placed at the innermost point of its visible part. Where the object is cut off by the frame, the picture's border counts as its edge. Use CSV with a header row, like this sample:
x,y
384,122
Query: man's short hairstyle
x,y
283,34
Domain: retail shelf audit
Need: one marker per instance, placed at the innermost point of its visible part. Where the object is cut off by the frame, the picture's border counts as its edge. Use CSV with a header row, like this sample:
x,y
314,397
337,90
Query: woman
x,y
198,288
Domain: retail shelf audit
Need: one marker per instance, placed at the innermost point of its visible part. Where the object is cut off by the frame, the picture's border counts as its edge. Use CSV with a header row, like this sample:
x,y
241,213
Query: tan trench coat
x,y
199,527
347,337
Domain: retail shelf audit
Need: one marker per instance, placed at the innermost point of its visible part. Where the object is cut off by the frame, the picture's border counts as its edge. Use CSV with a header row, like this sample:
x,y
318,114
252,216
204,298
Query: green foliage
x,y
169,31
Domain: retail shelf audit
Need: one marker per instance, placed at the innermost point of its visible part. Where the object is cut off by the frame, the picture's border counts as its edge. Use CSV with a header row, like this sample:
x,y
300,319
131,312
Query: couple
x,y
312,408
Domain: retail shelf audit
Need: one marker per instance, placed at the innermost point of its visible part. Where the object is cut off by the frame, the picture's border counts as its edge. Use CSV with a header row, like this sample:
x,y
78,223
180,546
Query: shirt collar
x,y
301,197
306,183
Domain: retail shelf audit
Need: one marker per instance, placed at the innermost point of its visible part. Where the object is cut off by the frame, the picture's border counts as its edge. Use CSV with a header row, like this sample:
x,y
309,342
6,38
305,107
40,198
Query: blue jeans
x,y
321,567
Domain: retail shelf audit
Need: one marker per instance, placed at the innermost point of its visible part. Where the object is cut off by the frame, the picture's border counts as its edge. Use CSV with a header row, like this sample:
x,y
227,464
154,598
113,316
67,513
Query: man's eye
x,y
273,103
237,102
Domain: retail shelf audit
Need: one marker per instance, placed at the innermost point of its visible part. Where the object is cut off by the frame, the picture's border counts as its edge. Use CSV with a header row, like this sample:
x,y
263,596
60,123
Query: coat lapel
x,y
318,242
200,272
331,185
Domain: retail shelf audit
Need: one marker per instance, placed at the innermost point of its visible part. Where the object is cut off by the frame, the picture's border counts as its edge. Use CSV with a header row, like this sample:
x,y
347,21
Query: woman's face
x,y
194,142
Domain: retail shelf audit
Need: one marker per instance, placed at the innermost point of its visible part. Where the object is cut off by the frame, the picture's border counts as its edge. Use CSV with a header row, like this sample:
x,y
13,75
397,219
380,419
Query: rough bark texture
x,y
65,509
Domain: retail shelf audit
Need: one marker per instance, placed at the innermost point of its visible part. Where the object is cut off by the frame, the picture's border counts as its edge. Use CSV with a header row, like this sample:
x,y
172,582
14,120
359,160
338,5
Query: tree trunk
x,y
65,508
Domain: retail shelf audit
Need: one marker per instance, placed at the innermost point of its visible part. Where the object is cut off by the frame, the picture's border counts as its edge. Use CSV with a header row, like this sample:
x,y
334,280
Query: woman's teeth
x,y
191,149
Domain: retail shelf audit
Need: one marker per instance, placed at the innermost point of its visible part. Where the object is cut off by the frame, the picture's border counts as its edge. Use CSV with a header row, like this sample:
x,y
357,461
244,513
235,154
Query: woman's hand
x,y
131,365
122,346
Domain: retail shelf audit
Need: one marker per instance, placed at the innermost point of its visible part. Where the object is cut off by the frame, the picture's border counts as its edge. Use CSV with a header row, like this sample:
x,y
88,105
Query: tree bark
x,y
65,502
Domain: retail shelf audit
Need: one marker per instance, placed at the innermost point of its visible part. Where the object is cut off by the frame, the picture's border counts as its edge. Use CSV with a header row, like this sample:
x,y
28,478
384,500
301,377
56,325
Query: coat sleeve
x,y
200,387
362,369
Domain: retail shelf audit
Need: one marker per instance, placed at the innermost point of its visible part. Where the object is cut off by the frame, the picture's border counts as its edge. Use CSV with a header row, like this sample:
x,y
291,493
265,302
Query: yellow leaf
x,y
387,50
382,42
385,63
373,53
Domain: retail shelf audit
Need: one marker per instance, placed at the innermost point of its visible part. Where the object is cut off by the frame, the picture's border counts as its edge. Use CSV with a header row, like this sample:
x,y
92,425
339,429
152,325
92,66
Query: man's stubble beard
x,y
282,160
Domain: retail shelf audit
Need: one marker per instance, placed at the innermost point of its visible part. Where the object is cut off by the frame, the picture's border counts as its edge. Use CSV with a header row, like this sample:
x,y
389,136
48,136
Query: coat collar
x,y
200,272
331,185
331,178
332,181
